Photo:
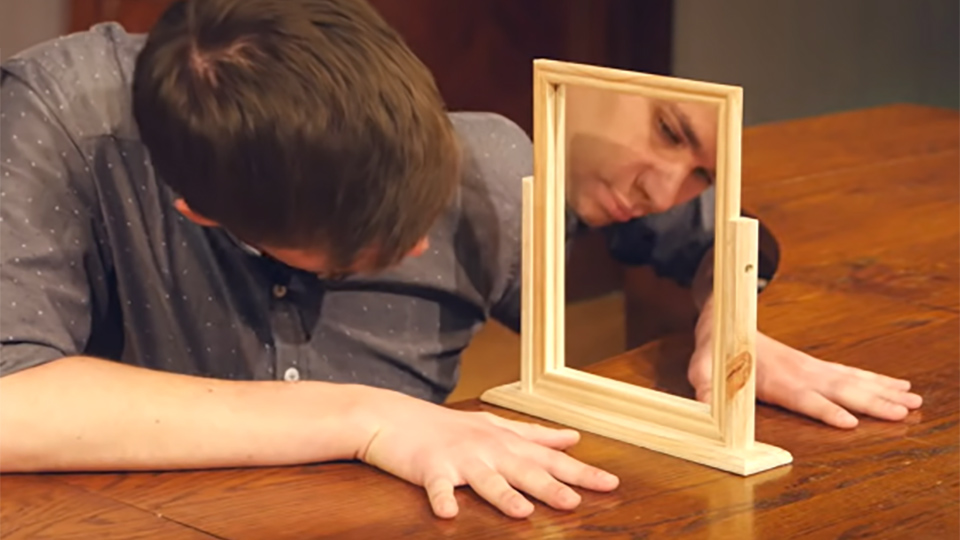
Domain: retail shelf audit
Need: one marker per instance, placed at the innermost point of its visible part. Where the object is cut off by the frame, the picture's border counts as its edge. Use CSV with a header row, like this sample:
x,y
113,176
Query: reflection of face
x,y
630,155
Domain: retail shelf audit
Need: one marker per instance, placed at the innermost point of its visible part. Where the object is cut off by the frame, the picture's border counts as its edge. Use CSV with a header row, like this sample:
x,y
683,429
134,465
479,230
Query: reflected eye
x,y
704,174
668,132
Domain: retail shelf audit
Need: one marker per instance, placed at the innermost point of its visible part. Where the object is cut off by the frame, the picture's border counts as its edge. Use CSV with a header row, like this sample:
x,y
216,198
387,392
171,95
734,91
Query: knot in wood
x,y
738,371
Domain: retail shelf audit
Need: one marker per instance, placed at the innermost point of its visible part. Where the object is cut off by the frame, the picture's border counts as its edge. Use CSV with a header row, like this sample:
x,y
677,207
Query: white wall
x,y
804,57
27,22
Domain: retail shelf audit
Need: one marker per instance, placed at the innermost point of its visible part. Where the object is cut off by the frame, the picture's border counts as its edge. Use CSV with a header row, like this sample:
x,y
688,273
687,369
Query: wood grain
x,y
37,507
896,313
831,143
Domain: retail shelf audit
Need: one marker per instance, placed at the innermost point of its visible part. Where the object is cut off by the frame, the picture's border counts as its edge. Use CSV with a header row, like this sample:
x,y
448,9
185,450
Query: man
x,y
257,238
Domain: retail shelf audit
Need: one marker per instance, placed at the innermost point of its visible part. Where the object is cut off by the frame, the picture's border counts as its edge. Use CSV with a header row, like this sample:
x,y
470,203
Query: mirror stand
x,y
719,434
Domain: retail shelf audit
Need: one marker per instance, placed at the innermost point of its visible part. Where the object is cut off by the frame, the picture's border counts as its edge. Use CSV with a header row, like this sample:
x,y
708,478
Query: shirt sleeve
x,y
672,242
49,257
508,309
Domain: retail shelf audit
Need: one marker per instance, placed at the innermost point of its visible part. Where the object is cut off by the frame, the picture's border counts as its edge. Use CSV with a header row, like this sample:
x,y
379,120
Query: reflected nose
x,y
663,188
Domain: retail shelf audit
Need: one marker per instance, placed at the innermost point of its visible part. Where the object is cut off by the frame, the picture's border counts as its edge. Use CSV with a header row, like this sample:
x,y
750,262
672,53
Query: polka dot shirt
x,y
97,261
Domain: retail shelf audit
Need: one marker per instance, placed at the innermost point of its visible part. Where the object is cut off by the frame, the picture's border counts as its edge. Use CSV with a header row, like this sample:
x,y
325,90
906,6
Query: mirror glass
x,y
639,172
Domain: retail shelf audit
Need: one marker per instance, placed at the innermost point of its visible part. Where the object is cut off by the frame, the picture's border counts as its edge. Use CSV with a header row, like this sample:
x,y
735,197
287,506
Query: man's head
x,y
630,155
306,128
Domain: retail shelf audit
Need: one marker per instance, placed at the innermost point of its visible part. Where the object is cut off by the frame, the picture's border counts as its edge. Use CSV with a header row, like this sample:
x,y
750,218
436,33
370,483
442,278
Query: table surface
x,y
865,205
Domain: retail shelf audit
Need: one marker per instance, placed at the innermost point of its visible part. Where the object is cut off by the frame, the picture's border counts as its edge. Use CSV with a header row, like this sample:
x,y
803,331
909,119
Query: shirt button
x,y
291,374
279,291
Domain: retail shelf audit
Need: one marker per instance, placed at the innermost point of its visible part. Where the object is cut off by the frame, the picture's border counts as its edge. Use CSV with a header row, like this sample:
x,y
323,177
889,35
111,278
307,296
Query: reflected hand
x,y
792,379
440,448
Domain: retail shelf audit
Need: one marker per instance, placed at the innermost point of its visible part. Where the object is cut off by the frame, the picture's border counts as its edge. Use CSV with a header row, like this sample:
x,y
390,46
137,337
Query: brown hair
x,y
297,124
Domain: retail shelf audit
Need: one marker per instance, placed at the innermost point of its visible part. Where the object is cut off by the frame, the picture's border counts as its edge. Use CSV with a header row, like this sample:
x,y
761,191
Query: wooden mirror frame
x,y
721,434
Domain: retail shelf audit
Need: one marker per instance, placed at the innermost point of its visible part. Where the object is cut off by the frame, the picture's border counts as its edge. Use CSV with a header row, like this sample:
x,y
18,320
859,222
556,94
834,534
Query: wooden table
x,y
865,205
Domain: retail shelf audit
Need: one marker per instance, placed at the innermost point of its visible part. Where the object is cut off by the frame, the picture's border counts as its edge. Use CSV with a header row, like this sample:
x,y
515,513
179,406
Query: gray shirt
x,y
96,260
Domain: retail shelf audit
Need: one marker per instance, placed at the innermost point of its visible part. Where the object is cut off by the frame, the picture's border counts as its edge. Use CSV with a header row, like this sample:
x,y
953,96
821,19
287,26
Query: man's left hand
x,y
792,379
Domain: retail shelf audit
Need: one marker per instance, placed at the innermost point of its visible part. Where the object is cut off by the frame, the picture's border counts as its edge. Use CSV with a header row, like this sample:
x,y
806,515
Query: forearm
x,y
89,414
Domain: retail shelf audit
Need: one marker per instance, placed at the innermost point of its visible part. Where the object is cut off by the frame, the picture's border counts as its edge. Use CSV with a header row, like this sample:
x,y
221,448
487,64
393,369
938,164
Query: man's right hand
x,y
440,448
87,414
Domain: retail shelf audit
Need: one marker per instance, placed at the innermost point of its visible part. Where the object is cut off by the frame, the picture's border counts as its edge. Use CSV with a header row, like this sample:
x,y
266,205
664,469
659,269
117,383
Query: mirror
x,y
639,173
639,145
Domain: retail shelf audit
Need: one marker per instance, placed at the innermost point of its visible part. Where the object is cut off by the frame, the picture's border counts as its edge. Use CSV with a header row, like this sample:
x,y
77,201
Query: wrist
x,y
363,410
316,421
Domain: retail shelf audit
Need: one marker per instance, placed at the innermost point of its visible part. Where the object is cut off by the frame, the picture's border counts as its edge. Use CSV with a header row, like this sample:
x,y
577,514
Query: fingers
x,y
543,472
533,479
883,380
870,393
834,404
873,398
559,439
910,400
495,489
440,494
571,471
815,405
545,476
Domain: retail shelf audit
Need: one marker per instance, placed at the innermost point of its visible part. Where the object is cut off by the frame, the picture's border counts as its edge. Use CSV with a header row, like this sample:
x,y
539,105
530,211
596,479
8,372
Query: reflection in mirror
x,y
635,166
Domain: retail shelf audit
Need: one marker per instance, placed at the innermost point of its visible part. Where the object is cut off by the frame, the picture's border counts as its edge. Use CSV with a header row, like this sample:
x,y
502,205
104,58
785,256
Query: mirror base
x,y
757,458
